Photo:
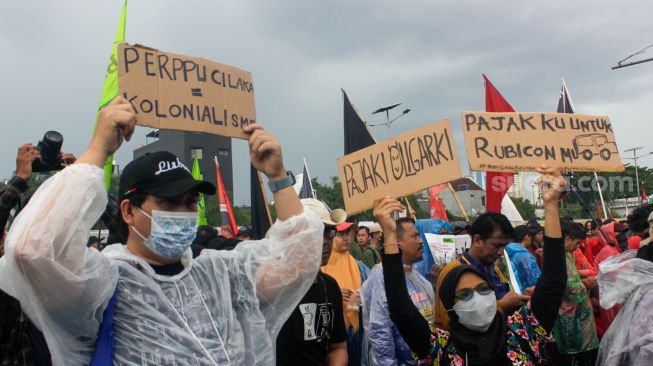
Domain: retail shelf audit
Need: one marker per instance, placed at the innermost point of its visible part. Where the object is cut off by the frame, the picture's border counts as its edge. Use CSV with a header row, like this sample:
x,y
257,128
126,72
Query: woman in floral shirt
x,y
479,335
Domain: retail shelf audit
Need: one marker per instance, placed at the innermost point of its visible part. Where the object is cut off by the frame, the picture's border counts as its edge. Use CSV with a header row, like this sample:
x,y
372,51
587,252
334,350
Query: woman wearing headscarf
x,y
575,329
610,244
345,270
479,335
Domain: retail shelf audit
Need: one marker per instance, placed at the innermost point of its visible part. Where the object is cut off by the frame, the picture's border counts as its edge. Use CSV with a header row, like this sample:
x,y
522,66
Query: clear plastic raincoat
x,y
525,264
624,279
383,345
432,226
224,308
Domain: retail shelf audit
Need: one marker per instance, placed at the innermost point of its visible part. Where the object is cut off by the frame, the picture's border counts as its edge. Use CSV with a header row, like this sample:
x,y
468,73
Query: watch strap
x,y
282,183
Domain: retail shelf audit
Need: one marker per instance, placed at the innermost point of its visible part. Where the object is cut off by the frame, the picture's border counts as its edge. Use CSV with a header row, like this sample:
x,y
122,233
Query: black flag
x,y
307,186
260,215
565,104
357,136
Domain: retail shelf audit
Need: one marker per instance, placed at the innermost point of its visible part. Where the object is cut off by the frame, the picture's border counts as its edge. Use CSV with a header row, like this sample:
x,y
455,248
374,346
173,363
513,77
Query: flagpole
x,y
309,178
265,195
460,205
411,213
598,185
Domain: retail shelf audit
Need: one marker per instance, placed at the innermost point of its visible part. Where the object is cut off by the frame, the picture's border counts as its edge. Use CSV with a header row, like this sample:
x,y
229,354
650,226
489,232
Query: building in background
x,y
479,178
470,194
517,188
621,207
190,145
536,195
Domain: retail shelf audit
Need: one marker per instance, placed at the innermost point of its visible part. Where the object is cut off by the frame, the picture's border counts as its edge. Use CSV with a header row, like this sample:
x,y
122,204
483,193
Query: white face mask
x,y
478,312
171,233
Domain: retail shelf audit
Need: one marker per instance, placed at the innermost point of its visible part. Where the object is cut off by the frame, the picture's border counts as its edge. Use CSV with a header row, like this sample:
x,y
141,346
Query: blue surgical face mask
x,y
171,233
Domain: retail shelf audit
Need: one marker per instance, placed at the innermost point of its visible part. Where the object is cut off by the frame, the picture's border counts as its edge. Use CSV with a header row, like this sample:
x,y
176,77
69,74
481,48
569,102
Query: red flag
x,y
644,196
437,209
496,183
598,210
228,227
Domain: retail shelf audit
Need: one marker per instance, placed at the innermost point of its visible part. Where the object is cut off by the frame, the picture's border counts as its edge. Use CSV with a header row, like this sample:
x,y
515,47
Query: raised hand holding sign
x,y
116,123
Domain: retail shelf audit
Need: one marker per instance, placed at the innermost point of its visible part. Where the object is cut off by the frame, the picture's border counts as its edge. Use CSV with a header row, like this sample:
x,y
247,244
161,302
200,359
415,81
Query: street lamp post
x,y
634,159
388,121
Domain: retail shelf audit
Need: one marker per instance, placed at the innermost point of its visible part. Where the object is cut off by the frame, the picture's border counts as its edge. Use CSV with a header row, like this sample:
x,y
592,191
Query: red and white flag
x,y
497,184
228,227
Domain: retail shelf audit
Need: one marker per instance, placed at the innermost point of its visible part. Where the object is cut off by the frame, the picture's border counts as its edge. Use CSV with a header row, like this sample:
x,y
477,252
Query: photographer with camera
x,y
28,160
20,342
17,185
149,300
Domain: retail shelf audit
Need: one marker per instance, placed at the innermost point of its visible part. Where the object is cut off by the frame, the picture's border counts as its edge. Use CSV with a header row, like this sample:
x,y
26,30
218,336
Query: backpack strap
x,y
104,347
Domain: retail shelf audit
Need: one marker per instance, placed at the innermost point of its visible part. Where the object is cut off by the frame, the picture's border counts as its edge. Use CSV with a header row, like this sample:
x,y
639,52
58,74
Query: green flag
x,y
201,208
110,89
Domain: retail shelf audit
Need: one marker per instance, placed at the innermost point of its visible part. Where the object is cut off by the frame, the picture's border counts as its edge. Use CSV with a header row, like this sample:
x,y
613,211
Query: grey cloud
x,y
428,54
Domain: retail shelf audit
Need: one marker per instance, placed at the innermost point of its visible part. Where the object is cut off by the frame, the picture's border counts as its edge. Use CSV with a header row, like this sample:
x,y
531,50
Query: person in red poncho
x,y
610,245
592,245
610,248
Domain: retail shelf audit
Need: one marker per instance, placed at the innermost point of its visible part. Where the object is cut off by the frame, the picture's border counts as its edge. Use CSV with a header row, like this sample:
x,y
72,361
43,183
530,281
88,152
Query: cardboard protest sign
x,y
399,166
185,93
443,247
512,142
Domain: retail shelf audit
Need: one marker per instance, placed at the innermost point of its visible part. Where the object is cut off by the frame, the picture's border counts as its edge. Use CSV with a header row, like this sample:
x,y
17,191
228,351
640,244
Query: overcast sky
x,y
427,54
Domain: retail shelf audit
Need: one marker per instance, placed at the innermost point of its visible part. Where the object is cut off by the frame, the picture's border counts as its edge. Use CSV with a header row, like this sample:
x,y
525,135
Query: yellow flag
x,y
110,89
201,208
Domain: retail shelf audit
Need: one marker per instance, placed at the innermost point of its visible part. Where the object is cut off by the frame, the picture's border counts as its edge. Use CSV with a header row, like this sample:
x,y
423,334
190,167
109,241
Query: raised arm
x,y
62,285
266,157
285,264
412,326
550,287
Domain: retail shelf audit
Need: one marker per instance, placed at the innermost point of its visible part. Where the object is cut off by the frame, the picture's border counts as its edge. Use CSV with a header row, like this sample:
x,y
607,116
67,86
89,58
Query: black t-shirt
x,y
315,323
168,269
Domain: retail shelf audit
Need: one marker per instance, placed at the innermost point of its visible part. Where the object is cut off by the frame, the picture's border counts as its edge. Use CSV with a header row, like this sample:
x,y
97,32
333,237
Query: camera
x,y
50,149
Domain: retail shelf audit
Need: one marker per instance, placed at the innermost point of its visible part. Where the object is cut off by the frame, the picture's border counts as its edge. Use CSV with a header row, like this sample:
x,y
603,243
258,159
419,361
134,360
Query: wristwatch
x,y
282,183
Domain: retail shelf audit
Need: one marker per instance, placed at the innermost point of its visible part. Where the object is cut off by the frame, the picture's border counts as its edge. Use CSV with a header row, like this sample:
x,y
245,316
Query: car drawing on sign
x,y
593,144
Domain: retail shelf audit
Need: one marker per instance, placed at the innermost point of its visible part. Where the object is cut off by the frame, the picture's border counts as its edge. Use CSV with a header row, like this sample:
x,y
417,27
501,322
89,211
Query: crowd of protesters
x,y
163,291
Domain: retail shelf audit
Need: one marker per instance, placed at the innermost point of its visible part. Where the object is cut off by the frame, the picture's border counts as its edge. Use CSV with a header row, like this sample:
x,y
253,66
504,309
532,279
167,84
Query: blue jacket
x,y
525,263
362,268
383,344
431,226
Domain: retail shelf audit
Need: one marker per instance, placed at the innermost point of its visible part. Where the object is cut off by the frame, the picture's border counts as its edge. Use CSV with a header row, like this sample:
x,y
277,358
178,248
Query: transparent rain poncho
x,y
224,308
383,344
624,279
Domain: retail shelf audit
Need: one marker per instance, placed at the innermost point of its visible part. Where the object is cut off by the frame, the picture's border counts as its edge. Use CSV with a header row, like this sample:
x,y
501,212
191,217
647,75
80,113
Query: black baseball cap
x,y
161,174
534,229
246,231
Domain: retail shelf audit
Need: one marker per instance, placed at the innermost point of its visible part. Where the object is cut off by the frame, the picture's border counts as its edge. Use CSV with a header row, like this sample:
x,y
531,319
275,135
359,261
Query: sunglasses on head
x,y
467,293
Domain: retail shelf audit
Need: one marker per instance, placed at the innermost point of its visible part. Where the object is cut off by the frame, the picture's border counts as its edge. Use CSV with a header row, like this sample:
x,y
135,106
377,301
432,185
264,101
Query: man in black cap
x,y
536,232
244,233
149,301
